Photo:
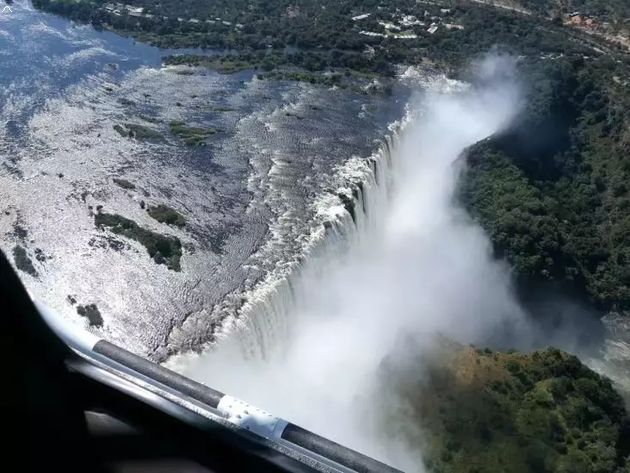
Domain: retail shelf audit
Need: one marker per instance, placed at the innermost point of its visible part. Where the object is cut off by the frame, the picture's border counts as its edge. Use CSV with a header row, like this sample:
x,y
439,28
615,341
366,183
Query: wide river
x,y
252,197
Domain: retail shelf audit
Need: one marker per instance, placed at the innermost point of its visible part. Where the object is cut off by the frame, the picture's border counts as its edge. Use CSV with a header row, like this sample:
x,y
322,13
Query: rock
x,y
348,204
124,183
39,255
158,258
92,313
19,231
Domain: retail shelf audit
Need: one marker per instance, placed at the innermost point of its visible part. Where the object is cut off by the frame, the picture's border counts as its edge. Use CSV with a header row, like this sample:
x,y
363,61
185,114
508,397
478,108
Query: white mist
x,y
421,267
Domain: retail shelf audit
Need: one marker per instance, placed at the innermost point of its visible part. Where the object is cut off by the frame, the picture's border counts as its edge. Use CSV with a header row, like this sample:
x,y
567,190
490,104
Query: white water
x,y
411,264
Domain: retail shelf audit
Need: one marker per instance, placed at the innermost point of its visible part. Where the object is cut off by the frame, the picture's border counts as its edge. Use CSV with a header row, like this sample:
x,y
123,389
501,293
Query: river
x,y
250,196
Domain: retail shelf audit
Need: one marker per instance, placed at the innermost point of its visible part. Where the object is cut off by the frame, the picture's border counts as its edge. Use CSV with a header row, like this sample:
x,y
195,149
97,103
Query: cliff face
x,y
484,411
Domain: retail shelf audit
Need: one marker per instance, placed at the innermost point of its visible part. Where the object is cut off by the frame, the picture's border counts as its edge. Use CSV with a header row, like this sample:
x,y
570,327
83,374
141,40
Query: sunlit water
x,y
248,196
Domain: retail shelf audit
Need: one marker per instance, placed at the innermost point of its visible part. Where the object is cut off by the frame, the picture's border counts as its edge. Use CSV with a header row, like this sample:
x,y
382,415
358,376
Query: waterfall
x,y
347,214
391,259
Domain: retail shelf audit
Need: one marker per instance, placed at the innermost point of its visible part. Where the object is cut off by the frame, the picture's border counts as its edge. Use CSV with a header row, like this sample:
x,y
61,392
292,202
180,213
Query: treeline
x,y
604,10
322,35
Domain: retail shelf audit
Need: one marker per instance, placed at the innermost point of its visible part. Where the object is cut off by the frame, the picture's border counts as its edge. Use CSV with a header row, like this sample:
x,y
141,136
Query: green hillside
x,y
489,412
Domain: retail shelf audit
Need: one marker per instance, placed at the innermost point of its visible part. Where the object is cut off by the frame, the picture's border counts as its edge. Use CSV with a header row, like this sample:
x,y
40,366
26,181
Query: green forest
x,y
322,35
553,191
486,411
610,10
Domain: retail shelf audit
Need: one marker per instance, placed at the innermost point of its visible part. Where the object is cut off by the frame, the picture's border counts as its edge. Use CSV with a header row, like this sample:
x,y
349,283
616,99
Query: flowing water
x,y
247,195
404,262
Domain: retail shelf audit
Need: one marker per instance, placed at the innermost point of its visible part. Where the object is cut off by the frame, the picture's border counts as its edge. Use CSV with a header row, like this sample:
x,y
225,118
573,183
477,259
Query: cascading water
x,y
394,258
345,217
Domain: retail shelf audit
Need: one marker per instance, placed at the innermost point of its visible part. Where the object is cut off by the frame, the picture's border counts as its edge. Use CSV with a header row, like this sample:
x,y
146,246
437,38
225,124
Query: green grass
x,y
319,78
192,136
163,249
165,214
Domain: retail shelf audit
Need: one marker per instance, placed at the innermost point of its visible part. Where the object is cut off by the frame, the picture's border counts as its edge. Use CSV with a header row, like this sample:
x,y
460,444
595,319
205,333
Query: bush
x,y
23,262
165,214
165,250
192,136
92,313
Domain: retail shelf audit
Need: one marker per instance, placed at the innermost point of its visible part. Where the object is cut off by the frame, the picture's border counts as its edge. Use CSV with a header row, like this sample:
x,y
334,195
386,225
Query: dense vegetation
x,y
164,214
318,36
553,191
165,250
486,412
606,10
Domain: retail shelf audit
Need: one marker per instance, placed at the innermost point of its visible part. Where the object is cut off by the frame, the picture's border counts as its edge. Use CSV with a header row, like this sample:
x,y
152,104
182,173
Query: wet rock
x,y
39,255
124,183
158,258
19,231
348,204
